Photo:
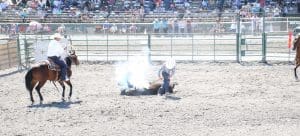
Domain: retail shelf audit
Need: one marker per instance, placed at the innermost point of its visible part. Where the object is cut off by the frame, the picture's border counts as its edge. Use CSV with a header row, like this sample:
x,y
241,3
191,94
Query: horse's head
x,y
295,43
72,58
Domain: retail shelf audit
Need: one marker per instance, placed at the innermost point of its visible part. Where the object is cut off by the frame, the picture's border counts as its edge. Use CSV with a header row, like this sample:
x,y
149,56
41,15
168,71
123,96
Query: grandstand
x,y
116,11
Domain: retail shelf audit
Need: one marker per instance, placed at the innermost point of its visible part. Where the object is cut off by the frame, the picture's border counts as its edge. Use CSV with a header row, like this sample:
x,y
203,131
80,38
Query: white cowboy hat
x,y
56,35
170,63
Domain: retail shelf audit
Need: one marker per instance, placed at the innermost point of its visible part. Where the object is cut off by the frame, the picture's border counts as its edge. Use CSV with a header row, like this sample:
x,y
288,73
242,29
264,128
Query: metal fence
x,y
186,47
253,25
242,39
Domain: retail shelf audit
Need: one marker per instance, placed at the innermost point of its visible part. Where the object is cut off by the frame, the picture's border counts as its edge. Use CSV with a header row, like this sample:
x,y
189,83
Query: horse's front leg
x,y
64,88
295,71
38,89
31,97
71,87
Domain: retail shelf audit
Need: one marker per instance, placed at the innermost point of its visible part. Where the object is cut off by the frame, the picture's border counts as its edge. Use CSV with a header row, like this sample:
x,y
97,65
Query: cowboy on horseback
x,y
165,73
55,52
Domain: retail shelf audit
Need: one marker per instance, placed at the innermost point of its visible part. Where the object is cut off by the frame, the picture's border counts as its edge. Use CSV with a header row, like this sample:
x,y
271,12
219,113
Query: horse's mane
x,y
296,44
68,61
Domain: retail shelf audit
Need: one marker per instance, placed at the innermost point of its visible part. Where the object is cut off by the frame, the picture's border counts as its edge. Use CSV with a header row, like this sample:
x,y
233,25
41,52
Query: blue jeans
x,y
63,66
166,83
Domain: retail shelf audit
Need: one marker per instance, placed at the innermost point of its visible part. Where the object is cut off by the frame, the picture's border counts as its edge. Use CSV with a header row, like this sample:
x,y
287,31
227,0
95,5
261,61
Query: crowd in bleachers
x,y
86,10
166,16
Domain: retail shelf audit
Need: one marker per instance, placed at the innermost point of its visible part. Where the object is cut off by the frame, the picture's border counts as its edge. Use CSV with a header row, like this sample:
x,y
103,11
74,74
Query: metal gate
x,y
251,47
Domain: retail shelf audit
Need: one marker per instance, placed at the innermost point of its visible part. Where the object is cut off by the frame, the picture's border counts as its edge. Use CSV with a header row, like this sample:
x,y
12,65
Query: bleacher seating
x,y
118,15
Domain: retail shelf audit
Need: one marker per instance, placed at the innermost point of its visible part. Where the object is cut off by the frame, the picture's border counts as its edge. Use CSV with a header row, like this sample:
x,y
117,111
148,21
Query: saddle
x,y
52,65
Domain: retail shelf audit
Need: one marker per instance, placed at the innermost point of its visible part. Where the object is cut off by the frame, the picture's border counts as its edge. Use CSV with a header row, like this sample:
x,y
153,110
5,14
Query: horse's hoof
x,y
41,102
63,99
69,98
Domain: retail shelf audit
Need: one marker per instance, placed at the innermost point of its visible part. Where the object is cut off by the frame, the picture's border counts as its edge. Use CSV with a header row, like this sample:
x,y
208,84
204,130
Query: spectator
x,y
113,28
47,4
176,26
170,25
253,23
167,4
57,7
164,25
142,13
105,27
124,28
133,28
24,15
61,29
233,26
13,30
189,26
103,3
187,5
41,13
172,6
156,26
157,3
34,4
87,5
182,25
204,5
2,29
22,3
46,28
3,6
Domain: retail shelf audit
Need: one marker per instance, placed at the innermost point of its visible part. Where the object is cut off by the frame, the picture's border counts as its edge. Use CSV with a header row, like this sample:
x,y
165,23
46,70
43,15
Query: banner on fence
x,y
290,40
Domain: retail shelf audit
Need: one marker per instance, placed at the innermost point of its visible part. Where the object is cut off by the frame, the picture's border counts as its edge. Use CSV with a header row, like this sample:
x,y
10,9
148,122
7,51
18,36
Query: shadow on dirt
x,y
61,105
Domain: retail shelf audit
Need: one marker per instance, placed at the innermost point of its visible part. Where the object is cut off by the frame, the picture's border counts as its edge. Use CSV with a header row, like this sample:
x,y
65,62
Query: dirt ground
x,y
211,99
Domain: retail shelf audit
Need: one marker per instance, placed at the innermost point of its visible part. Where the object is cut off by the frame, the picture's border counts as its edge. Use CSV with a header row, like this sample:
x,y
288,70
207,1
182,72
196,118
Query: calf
x,y
151,90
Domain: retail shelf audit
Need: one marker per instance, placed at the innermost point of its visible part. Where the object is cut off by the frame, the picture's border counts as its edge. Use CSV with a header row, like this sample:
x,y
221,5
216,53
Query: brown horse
x,y
38,76
297,58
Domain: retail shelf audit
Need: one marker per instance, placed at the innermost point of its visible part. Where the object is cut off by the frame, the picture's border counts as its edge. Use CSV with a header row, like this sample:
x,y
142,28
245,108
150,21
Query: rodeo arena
x,y
149,67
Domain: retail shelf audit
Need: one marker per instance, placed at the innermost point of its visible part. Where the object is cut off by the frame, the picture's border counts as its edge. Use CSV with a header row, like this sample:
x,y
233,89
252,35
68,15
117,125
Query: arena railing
x,y
116,17
156,47
209,41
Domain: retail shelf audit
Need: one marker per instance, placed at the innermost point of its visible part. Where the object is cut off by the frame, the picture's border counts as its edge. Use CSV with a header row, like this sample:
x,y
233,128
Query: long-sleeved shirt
x,y
171,72
55,49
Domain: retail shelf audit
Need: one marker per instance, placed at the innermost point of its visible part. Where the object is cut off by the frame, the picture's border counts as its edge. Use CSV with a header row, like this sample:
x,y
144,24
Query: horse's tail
x,y
28,79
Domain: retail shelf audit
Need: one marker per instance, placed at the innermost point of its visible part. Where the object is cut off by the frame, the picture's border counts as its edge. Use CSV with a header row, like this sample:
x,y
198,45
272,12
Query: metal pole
x,y
107,47
287,24
192,46
87,44
263,60
172,46
264,39
214,45
238,39
289,58
26,53
19,52
149,48
127,46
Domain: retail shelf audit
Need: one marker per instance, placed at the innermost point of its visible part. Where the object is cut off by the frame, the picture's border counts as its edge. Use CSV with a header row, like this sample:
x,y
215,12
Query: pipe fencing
x,y
237,39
